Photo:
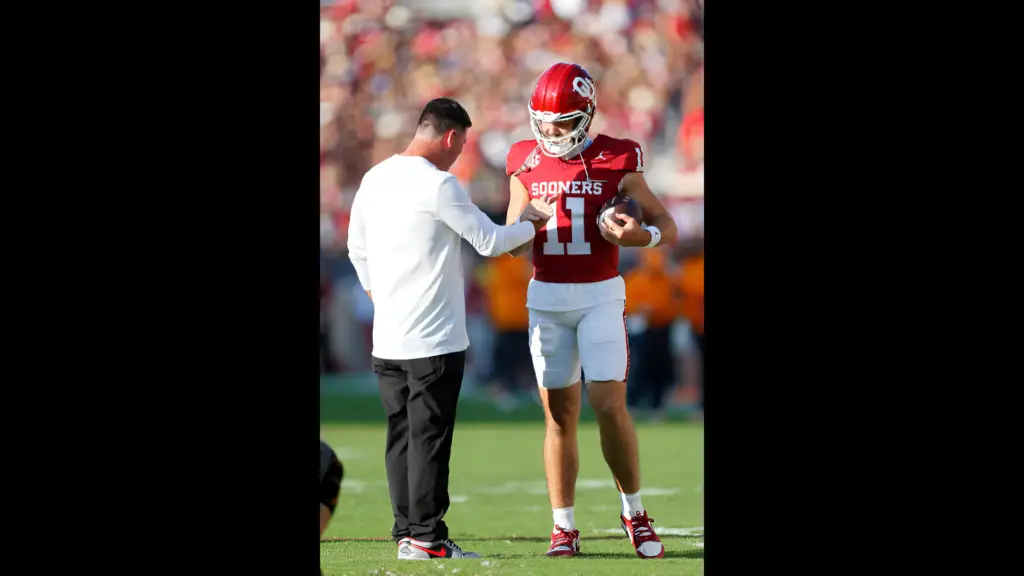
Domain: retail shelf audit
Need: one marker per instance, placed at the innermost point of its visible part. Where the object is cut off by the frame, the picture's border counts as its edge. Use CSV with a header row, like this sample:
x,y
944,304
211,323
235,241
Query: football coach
x,y
407,222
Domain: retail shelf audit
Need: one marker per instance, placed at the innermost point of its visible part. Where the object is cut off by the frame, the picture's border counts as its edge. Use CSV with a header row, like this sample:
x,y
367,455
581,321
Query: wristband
x,y
655,235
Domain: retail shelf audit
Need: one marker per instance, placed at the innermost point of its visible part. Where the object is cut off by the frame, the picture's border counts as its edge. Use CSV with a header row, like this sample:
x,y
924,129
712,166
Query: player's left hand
x,y
630,235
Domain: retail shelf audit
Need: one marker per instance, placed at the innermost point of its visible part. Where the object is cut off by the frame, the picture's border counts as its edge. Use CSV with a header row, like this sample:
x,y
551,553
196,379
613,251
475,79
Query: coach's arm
x,y
455,209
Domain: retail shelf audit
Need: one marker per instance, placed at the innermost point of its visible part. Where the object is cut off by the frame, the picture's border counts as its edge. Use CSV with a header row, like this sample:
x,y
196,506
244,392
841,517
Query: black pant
x,y
420,398
654,374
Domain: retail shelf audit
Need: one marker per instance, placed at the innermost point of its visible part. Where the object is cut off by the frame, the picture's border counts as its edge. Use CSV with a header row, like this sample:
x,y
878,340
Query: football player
x,y
576,299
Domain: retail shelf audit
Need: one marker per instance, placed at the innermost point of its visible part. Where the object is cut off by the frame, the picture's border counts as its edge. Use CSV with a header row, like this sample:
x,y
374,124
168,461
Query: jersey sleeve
x,y
632,156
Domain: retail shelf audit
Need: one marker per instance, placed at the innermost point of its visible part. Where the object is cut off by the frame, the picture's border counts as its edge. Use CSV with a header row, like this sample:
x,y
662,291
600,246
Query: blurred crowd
x,y
382,60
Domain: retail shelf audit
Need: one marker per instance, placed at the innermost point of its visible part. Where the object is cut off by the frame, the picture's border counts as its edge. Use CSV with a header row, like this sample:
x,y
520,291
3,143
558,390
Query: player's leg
x,y
561,453
557,368
331,473
394,393
604,353
434,385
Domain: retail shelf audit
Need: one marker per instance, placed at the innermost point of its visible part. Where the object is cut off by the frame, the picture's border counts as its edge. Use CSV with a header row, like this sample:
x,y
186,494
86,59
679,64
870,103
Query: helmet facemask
x,y
561,146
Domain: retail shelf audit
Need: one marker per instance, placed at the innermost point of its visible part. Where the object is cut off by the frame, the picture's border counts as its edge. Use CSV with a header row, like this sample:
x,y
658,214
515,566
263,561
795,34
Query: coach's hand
x,y
538,212
630,235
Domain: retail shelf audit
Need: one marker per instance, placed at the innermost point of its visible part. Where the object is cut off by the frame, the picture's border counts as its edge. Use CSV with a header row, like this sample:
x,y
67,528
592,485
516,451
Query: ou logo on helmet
x,y
584,87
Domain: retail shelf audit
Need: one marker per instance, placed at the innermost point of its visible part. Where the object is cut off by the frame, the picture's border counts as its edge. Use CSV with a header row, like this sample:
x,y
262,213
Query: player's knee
x,y
562,418
607,399
331,473
563,408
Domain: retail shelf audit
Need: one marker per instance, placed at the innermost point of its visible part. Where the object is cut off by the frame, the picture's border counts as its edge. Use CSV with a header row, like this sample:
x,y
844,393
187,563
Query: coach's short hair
x,y
444,114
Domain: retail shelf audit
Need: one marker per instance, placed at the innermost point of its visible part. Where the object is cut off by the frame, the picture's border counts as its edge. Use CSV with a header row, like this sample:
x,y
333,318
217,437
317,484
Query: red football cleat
x,y
642,535
564,542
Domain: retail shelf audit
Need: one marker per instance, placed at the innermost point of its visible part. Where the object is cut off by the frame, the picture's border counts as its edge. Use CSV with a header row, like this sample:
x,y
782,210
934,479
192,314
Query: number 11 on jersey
x,y
574,208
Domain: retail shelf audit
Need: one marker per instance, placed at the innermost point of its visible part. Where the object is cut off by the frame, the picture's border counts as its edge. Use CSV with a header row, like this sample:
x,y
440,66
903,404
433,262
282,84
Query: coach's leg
x,y
394,393
434,386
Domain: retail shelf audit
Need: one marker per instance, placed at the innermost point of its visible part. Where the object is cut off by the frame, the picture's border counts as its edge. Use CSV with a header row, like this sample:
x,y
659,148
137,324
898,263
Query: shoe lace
x,y
642,530
453,545
562,537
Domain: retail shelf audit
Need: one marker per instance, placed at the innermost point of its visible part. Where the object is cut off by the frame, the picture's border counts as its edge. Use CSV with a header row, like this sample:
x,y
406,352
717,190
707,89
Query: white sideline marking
x,y
512,486
352,485
657,491
347,453
459,498
360,486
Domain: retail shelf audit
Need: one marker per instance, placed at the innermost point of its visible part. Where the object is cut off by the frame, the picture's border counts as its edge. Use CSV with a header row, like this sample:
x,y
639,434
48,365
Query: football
x,y
620,205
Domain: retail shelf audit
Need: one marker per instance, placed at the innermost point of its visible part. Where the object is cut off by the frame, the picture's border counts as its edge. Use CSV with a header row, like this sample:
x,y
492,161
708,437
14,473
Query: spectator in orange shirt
x,y
652,305
691,285
505,281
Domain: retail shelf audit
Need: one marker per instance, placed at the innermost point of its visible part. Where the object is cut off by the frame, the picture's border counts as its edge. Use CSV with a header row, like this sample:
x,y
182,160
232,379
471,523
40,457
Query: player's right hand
x,y
538,212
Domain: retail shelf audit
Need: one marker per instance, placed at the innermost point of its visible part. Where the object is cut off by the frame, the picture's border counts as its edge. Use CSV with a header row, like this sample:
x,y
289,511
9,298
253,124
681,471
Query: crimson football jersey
x,y
571,249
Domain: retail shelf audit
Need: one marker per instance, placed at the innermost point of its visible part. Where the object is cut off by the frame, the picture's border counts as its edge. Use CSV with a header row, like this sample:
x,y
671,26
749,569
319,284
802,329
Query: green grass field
x,y
500,506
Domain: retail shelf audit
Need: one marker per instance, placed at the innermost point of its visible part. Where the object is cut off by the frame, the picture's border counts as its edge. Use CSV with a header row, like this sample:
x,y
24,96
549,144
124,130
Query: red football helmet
x,y
563,92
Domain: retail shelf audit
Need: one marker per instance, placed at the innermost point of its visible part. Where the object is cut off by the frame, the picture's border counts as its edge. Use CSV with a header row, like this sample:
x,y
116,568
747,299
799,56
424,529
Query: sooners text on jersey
x,y
571,249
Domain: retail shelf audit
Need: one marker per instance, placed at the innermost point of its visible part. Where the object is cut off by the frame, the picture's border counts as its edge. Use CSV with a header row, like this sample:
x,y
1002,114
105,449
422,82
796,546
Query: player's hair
x,y
444,114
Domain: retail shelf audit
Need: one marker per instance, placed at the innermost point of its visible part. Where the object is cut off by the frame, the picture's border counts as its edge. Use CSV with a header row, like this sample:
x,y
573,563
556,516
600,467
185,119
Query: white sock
x,y
631,504
564,518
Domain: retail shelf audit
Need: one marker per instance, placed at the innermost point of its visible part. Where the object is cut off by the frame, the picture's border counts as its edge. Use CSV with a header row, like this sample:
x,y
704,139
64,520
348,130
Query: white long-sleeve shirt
x,y
406,225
